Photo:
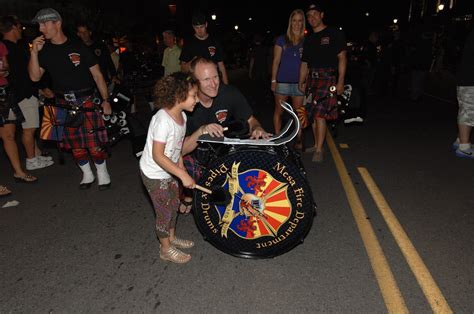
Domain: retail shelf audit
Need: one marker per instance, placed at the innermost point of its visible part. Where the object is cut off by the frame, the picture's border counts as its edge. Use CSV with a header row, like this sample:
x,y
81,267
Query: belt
x,y
321,73
75,94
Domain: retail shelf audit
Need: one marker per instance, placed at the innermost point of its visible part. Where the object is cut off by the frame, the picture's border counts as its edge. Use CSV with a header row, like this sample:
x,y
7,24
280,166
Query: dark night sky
x,y
152,16
350,14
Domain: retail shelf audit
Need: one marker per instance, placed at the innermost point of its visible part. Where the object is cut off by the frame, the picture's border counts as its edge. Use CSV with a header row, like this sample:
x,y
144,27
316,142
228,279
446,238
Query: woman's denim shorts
x,y
288,89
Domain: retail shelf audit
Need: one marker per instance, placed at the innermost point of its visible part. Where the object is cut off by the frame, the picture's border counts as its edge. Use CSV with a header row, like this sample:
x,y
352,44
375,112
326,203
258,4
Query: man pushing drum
x,y
218,104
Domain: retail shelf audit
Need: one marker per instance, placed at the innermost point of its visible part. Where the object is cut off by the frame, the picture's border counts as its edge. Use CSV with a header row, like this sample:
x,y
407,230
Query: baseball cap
x,y
198,19
315,6
47,14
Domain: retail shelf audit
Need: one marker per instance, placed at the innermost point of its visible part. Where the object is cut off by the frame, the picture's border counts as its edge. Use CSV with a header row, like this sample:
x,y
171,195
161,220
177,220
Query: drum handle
x,y
203,189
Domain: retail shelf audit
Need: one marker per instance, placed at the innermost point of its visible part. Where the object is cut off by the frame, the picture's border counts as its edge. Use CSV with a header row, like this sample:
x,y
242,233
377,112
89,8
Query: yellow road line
x,y
433,294
388,286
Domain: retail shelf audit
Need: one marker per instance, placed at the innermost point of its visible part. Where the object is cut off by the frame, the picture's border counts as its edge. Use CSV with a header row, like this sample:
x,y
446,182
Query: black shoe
x,y
103,187
85,186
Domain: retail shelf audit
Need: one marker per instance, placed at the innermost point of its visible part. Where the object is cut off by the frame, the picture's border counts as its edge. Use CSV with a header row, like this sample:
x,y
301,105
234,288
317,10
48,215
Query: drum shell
x,y
287,211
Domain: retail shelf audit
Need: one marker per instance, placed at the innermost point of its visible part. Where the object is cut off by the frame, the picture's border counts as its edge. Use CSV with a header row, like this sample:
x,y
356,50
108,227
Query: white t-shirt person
x,y
164,129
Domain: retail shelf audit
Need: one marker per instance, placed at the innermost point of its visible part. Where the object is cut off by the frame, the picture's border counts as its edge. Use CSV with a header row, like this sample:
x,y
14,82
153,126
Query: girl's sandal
x,y
27,178
181,243
4,191
174,255
186,206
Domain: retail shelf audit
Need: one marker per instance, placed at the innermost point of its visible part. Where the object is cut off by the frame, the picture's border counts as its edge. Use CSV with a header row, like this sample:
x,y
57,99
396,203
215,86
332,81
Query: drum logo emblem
x,y
259,205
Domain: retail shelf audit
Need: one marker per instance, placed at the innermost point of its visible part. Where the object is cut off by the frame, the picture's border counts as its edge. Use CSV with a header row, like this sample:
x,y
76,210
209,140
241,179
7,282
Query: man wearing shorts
x,y
465,92
24,93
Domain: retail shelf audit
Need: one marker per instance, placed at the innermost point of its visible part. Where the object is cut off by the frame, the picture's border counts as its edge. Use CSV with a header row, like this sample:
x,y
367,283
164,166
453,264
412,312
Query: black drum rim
x,y
280,242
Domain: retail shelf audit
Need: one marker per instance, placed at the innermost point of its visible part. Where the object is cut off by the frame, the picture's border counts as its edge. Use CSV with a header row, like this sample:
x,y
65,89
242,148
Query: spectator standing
x,y
323,65
286,65
23,91
202,45
10,114
101,52
465,92
171,54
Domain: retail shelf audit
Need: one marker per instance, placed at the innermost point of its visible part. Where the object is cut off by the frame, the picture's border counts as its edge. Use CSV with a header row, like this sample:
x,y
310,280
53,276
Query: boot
x,y
87,176
103,176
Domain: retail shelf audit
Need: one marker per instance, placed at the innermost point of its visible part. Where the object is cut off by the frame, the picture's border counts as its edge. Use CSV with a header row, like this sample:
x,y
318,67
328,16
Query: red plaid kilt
x,y
317,86
92,133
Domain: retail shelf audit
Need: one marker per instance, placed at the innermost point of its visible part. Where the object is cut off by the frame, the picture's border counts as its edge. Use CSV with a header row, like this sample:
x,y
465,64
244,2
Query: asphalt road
x,y
66,250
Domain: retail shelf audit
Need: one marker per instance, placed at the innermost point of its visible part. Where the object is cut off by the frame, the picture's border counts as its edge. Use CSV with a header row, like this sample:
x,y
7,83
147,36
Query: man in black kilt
x,y
75,74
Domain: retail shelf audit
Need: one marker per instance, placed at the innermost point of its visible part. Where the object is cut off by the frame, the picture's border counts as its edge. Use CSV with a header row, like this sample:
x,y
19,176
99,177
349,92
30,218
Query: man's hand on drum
x,y
213,129
258,132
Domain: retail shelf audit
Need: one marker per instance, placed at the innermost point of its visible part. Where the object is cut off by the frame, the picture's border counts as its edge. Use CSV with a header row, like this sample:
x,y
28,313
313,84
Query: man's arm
x,y
190,141
221,66
256,130
341,68
303,75
34,69
102,87
109,64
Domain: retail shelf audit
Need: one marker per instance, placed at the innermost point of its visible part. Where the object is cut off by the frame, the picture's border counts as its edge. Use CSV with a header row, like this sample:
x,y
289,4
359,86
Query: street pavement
x,y
67,250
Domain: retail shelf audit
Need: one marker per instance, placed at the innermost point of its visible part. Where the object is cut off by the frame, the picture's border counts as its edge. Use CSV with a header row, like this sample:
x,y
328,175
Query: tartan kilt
x,y
318,87
91,133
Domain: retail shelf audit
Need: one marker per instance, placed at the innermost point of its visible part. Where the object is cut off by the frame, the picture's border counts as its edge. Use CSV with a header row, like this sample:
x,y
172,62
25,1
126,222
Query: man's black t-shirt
x,y
229,105
19,79
105,61
208,48
465,75
68,65
320,49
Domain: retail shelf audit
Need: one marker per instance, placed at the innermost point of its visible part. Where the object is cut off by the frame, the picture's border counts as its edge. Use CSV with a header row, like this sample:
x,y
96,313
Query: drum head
x,y
270,209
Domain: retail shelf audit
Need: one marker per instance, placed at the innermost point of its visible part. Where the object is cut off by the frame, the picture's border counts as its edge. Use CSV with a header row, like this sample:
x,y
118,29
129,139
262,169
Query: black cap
x,y
198,19
315,6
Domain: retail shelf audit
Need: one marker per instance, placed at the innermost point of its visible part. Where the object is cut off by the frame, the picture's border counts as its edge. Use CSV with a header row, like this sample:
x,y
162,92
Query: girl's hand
x,y
188,182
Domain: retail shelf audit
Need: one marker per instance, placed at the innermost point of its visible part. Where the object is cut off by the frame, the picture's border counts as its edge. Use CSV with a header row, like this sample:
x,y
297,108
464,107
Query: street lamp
x,y
213,17
236,27
367,14
395,21
440,7
250,18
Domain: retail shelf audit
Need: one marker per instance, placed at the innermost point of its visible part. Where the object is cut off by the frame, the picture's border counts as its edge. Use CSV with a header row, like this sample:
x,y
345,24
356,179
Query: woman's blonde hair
x,y
291,38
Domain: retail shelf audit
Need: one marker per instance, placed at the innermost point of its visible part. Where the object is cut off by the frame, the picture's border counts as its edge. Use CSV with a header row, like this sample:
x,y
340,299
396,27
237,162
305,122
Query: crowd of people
x,y
193,97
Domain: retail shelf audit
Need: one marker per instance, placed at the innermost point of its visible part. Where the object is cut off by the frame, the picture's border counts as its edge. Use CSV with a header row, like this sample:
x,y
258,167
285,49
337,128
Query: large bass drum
x,y
270,209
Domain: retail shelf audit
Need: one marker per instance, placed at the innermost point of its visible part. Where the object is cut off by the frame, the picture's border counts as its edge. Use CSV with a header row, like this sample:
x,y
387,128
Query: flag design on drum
x,y
259,205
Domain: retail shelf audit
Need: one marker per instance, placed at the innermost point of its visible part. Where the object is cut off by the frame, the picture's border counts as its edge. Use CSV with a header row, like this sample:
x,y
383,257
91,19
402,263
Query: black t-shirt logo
x,y
212,50
325,41
221,115
75,58
98,52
